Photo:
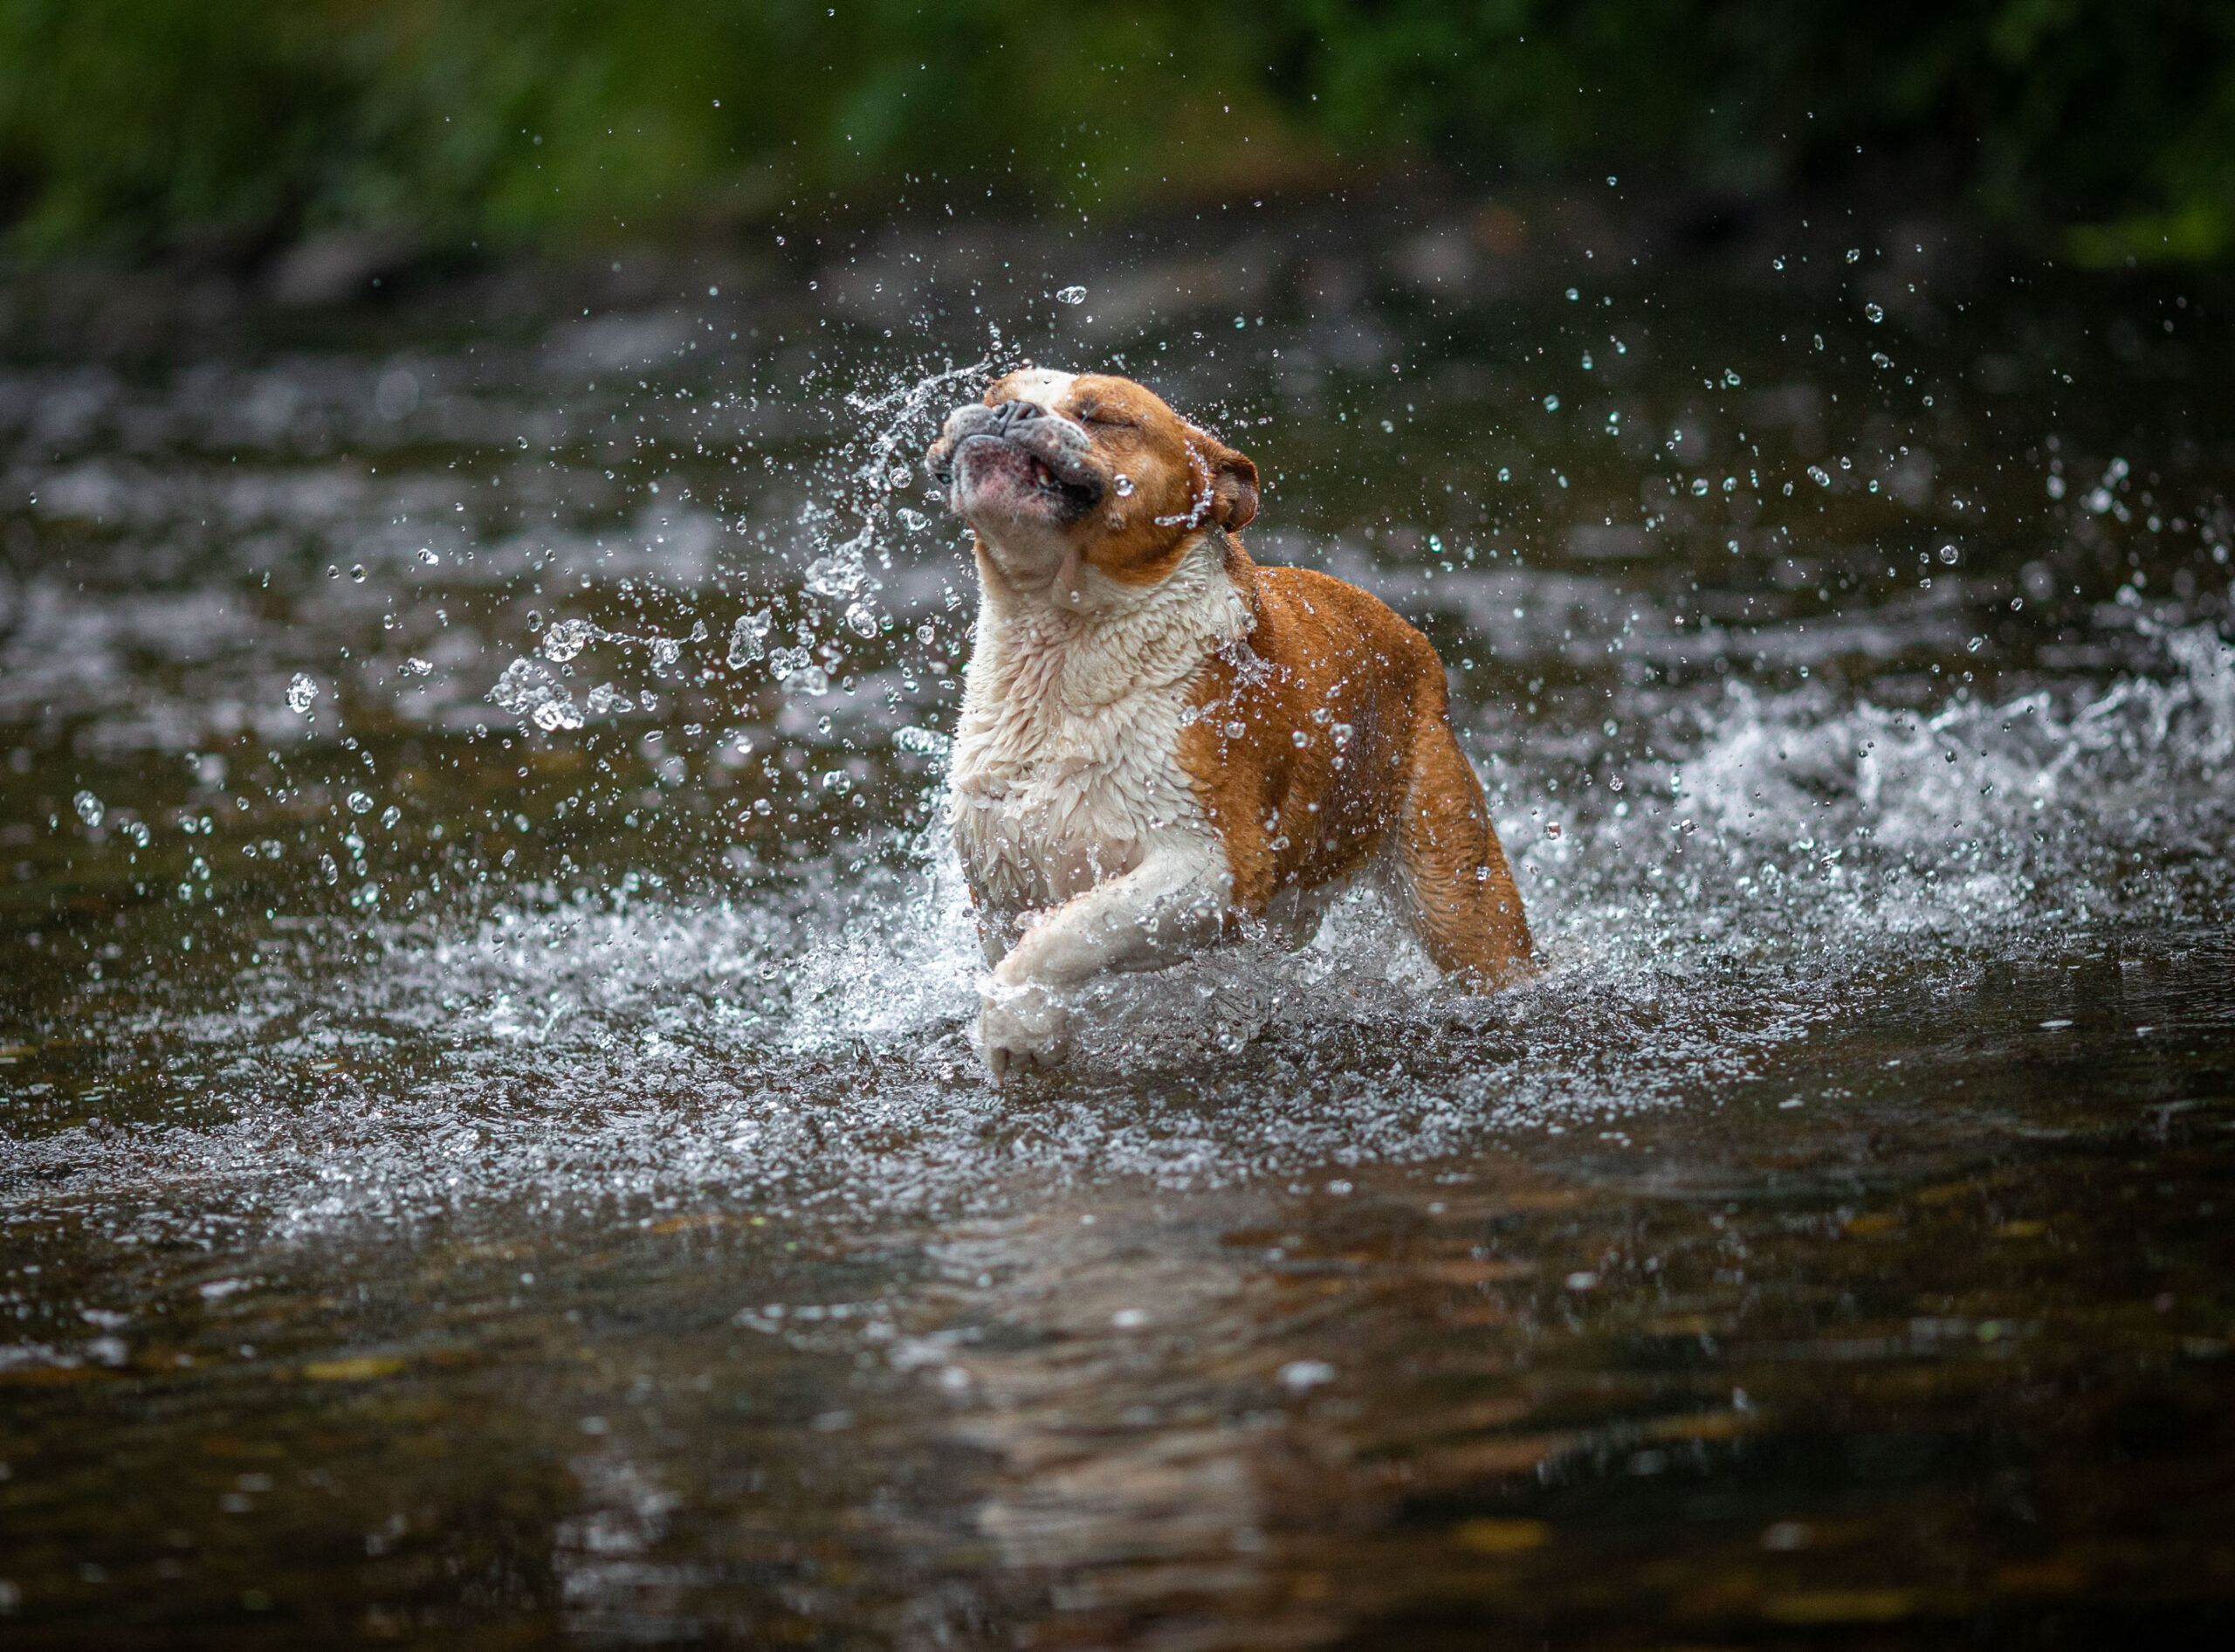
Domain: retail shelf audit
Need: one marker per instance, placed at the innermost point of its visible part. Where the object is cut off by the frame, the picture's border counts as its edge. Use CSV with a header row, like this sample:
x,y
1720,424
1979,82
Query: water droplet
x,y
861,621
796,670
359,803
1730,378
88,808
389,816
1854,255
528,690
744,638
301,693
428,556
417,667
914,521
1071,295
1123,484
357,572
567,638
1573,295
1880,358
1876,311
1551,404
839,574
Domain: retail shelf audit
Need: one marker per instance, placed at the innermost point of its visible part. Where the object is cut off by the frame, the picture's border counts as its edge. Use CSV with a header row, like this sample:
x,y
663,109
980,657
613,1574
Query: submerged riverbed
x,y
491,1155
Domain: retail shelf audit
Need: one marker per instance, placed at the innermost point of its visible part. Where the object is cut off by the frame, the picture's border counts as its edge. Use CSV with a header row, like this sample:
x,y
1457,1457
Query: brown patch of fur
x,y
1378,756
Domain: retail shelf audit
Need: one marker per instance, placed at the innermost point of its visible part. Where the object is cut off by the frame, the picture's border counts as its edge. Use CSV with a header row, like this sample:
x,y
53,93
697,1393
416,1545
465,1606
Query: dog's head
x,y
1057,470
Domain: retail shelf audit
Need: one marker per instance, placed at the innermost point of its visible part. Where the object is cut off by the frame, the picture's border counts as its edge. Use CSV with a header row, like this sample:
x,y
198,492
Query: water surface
x,y
493,1154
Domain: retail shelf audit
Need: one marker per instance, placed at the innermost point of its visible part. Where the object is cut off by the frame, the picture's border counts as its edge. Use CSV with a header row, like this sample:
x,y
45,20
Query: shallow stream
x,y
492,1155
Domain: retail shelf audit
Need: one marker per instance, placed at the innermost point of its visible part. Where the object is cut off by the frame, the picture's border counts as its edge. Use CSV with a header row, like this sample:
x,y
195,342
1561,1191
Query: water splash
x,y
805,1042
529,691
787,1019
746,639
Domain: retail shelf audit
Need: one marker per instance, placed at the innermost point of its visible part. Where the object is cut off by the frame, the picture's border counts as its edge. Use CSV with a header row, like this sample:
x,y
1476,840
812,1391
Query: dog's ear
x,y
1233,485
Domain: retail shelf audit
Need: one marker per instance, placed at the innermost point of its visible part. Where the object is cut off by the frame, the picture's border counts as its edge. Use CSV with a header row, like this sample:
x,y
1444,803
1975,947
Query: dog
x,y
1162,739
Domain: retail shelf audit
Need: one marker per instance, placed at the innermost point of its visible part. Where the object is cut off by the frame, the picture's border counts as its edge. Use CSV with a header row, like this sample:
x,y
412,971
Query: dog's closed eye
x,y
1105,416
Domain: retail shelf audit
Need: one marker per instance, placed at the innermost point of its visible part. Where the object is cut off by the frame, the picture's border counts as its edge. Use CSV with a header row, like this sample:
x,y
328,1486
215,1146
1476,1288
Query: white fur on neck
x,y
1066,770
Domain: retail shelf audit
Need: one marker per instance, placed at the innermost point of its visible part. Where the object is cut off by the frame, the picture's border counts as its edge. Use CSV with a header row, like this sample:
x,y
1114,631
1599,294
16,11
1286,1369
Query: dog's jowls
x,y
1159,736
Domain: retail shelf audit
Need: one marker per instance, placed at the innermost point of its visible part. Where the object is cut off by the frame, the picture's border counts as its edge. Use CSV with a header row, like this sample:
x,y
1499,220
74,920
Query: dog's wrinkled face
x,y
1055,470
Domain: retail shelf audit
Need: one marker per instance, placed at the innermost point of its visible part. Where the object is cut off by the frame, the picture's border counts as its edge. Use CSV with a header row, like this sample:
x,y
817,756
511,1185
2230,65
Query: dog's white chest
x,y
1051,800
1066,763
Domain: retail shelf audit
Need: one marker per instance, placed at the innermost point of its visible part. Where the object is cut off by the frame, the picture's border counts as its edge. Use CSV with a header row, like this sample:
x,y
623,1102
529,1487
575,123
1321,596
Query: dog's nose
x,y
1009,413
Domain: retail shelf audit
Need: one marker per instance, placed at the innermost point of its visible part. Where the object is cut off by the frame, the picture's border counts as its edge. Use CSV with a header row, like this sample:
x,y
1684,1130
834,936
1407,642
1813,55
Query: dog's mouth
x,y
991,468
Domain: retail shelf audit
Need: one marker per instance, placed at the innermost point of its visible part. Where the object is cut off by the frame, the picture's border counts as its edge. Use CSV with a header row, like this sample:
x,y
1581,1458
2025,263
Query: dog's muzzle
x,y
1057,450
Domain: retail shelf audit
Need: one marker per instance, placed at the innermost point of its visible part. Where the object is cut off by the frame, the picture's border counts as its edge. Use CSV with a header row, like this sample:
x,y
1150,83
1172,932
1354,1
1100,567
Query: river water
x,y
492,1154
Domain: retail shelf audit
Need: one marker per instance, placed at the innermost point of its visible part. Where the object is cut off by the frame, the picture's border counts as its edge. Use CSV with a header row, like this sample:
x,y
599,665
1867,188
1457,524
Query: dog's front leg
x,y
1171,904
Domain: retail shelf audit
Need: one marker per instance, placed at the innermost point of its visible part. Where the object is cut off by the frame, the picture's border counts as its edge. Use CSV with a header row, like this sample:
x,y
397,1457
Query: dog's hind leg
x,y
1464,902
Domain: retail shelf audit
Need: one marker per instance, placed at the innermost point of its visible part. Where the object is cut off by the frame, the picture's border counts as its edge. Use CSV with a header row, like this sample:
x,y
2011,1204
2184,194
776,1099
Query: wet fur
x,y
1159,736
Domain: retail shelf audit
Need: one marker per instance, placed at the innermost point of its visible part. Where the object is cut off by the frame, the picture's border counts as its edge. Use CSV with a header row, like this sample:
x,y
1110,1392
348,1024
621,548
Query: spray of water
x,y
784,1025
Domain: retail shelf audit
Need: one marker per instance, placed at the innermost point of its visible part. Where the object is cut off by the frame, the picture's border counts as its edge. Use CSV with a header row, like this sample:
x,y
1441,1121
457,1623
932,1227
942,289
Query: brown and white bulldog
x,y
1160,737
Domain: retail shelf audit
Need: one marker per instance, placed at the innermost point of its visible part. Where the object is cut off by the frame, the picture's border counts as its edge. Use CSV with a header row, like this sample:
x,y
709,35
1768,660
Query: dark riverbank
x,y
1417,242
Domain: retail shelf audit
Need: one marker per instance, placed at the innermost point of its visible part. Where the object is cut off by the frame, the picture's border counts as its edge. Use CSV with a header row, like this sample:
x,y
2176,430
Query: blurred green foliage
x,y
140,125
